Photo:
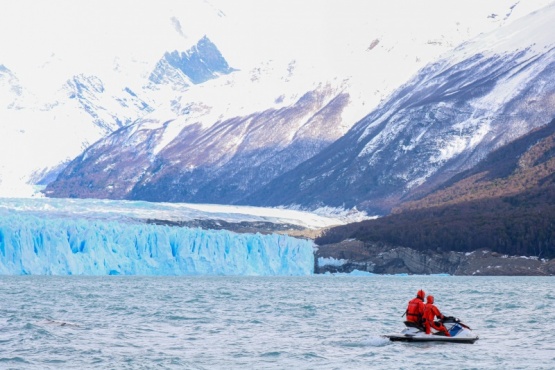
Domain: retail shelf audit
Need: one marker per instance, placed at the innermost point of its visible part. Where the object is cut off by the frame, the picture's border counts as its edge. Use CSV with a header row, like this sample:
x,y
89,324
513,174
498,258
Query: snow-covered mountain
x,y
219,163
83,110
39,135
486,93
88,70
225,139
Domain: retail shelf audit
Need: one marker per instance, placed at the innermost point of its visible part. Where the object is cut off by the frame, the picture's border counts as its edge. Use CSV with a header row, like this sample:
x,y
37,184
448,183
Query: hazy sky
x,y
69,36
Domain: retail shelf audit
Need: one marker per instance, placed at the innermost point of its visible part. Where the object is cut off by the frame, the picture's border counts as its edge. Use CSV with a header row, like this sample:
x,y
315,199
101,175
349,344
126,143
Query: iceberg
x,y
33,244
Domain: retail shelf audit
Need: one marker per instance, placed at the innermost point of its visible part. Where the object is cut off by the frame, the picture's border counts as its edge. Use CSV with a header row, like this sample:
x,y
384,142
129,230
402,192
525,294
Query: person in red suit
x,y
415,309
430,313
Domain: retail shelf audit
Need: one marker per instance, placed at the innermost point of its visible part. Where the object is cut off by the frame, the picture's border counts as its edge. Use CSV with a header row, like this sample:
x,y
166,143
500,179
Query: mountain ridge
x,y
444,121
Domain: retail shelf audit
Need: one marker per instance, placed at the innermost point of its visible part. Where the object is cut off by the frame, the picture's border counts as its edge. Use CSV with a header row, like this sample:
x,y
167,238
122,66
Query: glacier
x,y
34,244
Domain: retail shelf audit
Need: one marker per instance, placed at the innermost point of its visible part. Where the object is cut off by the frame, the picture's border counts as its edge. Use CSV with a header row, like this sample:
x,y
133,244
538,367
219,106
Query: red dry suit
x,y
430,313
415,309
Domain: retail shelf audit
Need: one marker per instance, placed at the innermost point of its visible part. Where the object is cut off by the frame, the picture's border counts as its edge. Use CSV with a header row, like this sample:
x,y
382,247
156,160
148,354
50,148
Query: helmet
x,y
421,294
430,299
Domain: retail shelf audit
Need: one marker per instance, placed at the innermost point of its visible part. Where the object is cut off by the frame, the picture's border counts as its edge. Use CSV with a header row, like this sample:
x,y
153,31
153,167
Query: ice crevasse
x,y
32,245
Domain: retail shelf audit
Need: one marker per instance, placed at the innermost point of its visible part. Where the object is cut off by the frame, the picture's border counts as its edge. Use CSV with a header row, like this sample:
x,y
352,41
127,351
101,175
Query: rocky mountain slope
x,y
215,164
524,166
486,93
224,140
505,204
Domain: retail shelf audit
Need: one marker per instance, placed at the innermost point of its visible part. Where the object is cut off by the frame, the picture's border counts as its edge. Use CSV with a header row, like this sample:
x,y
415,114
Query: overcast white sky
x,y
91,34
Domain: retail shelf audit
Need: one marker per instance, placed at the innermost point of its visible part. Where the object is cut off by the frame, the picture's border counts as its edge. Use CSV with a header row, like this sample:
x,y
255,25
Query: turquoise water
x,y
312,322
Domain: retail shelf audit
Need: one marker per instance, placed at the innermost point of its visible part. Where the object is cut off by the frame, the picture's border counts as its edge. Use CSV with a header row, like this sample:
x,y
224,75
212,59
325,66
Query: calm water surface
x,y
314,322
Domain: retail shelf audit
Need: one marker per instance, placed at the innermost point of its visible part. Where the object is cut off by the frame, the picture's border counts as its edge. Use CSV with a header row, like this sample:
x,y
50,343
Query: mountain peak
x,y
199,64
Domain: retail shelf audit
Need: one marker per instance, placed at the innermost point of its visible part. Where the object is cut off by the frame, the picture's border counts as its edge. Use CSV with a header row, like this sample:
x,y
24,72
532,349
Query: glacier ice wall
x,y
65,246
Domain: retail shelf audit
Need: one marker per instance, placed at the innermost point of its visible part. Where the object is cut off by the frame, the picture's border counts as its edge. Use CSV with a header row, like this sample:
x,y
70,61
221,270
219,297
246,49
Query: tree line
x,y
521,225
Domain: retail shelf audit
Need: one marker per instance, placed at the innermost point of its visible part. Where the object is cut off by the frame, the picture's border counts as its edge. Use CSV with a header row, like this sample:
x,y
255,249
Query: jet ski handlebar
x,y
450,319
447,319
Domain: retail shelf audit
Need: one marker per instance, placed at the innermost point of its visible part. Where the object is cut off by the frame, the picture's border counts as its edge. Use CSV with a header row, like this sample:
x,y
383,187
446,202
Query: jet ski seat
x,y
411,324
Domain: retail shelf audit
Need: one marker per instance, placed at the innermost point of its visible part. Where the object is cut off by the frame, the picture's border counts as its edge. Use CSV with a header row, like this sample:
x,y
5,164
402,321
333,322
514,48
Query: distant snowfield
x,y
118,209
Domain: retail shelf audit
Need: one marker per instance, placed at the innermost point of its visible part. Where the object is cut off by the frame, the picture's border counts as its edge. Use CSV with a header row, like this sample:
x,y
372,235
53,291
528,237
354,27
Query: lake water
x,y
313,322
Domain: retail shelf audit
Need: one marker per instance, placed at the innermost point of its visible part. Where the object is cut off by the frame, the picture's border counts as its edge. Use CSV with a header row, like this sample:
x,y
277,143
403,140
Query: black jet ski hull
x,y
430,338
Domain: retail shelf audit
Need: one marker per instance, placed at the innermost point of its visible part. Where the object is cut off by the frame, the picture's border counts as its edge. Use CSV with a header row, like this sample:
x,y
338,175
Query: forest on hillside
x,y
520,225
505,204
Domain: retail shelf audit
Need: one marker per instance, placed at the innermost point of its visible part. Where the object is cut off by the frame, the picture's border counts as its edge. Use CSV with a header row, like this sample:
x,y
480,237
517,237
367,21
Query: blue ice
x,y
37,245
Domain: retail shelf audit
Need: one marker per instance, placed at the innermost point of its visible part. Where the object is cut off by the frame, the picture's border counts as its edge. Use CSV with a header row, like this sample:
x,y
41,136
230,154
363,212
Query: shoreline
x,y
377,258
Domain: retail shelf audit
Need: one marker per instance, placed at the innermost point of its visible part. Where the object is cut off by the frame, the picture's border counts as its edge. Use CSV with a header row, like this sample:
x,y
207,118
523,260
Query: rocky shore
x,y
351,255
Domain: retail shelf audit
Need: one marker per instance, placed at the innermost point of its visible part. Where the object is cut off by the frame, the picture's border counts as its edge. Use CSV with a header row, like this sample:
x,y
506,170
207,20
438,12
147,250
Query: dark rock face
x,y
351,255
236,227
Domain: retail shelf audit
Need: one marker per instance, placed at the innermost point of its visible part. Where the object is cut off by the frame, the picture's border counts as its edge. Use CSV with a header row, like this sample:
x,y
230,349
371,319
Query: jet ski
x,y
460,333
